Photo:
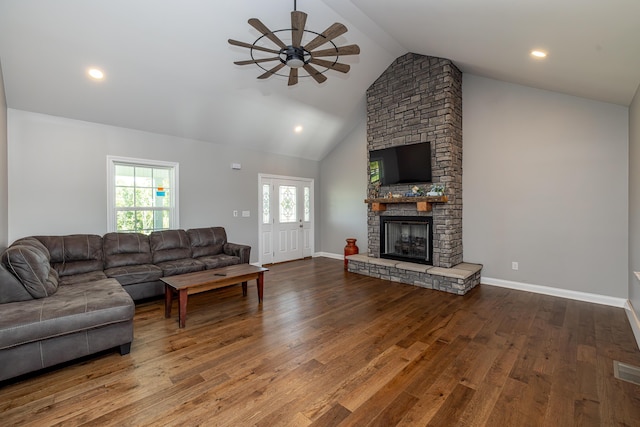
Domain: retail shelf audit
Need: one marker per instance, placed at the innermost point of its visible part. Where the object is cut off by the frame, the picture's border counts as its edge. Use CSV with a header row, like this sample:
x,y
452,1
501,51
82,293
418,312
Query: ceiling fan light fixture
x,y
294,62
295,57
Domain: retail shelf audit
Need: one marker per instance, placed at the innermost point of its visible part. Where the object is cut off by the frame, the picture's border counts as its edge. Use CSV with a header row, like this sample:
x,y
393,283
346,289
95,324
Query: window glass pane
x,y
144,220
124,175
144,197
125,221
287,203
163,201
307,202
161,220
124,197
161,178
144,177
266,192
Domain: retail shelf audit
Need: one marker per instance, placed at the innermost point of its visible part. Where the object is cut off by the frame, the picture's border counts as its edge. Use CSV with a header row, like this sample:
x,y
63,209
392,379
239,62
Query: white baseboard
x,y
328,255
556,292
633,321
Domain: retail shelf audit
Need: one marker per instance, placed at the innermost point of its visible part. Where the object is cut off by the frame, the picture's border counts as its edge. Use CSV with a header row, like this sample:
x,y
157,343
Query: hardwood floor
x,y
331,348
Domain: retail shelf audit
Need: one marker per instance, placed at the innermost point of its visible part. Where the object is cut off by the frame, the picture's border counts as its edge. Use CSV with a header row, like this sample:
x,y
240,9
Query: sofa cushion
x,y
122,249
11,289
169,245
207,241
32,241
74,254
31,266
130,274
91,276
180,266
217,261
73,308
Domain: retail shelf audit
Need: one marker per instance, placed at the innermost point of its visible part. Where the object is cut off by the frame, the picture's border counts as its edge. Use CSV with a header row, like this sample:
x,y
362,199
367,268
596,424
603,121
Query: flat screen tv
x,y
404,164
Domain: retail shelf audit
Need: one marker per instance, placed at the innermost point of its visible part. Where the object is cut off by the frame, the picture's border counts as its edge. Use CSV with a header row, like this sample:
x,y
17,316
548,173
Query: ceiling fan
x,y
294,54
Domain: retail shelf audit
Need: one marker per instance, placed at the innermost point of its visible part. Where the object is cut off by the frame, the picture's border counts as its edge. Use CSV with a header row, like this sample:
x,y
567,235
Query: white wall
x,y
4,185
545,183
343,189
57,175
634,201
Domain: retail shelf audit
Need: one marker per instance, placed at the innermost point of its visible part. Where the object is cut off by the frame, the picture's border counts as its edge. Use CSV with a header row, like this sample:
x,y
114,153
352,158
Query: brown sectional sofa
x,y
64,297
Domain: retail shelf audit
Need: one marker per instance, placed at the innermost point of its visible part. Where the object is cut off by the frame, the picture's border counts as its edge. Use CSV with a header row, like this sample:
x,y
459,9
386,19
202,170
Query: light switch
x,y
246,214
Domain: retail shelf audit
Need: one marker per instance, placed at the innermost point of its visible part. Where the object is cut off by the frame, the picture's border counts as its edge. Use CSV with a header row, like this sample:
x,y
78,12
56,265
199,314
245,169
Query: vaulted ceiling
x,y
169,69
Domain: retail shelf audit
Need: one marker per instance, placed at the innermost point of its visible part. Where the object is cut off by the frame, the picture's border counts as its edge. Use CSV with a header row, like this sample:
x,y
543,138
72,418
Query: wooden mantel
x,y
423,203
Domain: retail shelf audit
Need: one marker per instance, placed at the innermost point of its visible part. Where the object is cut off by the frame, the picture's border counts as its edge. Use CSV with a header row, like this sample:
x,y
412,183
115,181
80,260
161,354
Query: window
x,y
142,195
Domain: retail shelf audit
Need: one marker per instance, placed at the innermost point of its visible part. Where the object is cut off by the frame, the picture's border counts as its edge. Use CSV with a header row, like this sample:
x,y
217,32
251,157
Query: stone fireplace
x,y
418,100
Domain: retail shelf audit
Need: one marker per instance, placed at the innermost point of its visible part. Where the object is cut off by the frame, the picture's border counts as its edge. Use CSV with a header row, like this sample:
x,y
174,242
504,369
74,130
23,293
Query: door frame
x,y
271,177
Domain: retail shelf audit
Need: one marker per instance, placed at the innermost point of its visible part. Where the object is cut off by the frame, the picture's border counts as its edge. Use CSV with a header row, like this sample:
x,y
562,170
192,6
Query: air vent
x,y
626,372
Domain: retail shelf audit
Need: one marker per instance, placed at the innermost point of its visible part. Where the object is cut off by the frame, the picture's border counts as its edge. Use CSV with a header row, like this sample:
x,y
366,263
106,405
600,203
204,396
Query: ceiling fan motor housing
x,y
295,56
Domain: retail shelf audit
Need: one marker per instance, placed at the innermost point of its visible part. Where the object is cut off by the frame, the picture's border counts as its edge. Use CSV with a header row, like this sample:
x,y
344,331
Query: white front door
x,y
286,225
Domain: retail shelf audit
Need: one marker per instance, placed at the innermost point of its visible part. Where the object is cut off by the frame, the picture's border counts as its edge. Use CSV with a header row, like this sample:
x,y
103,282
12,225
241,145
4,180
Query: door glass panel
x,y
287,204
307,197
266,215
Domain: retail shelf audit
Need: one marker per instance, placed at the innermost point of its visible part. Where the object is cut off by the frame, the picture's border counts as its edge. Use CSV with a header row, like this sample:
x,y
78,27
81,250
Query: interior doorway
x,y
286,218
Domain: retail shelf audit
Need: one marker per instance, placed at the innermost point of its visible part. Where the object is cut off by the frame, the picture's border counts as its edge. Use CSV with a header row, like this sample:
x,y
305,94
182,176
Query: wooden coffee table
x,y
206,280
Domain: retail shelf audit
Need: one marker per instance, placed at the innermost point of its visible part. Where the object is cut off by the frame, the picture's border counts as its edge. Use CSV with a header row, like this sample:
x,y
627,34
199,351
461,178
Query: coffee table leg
x,y
168,300
182,306
244,289
260,286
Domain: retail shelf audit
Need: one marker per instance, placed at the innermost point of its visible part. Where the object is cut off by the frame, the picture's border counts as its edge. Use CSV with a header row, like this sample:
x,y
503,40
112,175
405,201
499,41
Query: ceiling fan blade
x,y
293,76
343,68
329,34
258,25
317,75
256,61
298,21
352,49
271,71
250,46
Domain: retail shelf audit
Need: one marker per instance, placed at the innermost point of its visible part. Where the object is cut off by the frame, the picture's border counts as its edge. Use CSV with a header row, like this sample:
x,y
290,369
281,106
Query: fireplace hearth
x,y
407,238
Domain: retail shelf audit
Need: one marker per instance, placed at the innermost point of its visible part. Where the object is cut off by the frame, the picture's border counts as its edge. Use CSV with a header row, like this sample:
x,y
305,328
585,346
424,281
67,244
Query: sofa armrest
x,y
241,251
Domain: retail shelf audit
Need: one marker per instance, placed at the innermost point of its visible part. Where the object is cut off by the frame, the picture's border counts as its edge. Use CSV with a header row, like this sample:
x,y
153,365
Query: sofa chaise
x,y
65,297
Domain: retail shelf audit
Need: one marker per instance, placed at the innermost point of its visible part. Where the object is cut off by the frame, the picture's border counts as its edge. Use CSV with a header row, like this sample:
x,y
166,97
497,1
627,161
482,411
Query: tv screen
x,y
404,164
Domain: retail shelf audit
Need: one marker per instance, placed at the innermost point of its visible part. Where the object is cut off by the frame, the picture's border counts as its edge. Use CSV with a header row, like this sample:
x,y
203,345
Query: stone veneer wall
x,y
418,99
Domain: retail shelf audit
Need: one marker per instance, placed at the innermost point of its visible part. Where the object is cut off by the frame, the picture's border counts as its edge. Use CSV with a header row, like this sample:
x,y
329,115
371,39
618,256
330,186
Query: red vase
x,y
350,249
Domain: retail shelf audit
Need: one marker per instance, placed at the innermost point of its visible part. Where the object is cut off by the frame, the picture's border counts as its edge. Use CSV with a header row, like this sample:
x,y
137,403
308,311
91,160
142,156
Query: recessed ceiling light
x,y
538,54
96,74
297,129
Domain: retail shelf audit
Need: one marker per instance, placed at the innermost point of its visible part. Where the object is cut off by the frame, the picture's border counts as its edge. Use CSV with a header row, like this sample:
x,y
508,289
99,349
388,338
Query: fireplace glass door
x,y
406,239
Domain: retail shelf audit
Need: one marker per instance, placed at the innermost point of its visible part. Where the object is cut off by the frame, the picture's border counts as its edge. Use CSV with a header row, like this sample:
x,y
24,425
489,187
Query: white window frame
x,y
174,216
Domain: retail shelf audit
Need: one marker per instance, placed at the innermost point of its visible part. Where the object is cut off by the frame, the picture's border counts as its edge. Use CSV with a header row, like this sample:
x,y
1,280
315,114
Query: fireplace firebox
x,y
407,238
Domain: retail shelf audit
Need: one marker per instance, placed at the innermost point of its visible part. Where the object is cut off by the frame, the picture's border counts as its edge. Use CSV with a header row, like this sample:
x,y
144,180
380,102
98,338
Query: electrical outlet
x,y
246,214
235,213
514,265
